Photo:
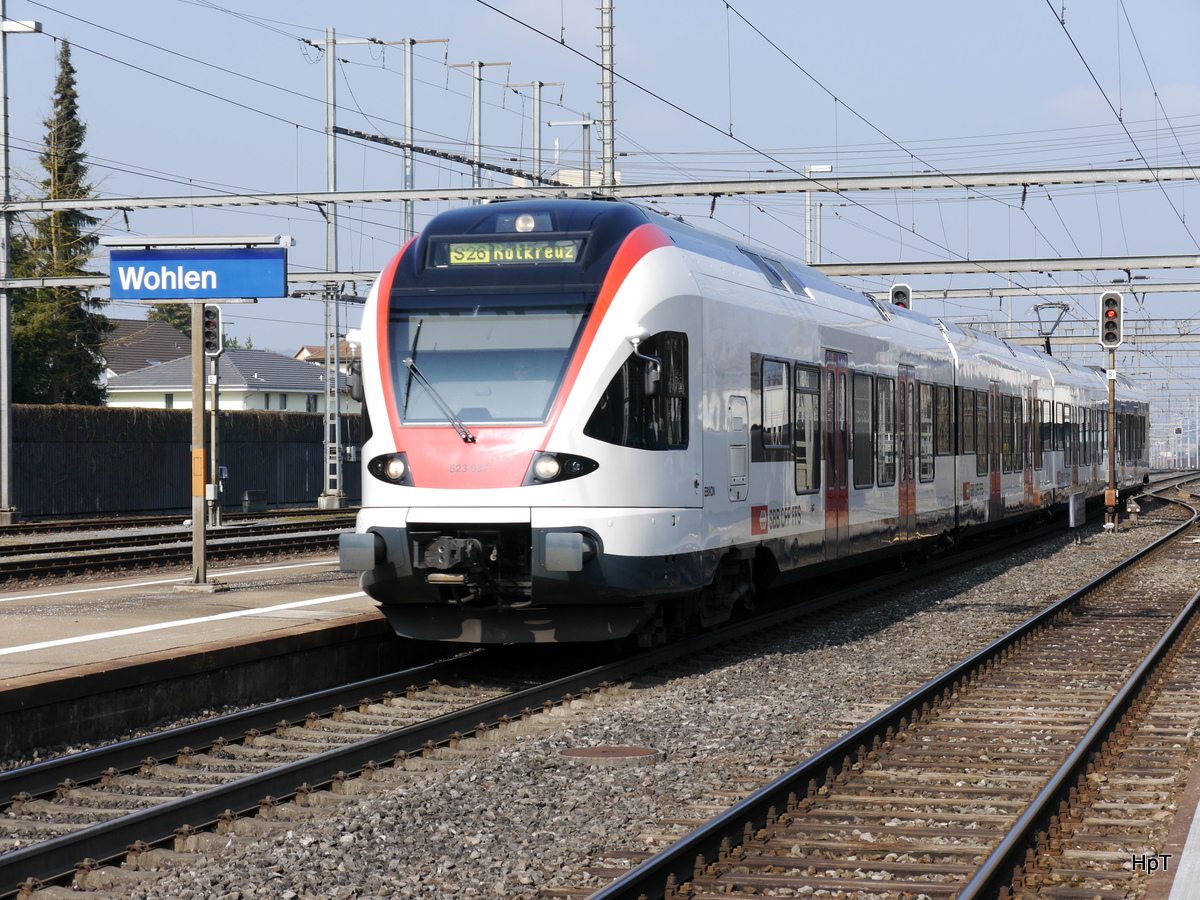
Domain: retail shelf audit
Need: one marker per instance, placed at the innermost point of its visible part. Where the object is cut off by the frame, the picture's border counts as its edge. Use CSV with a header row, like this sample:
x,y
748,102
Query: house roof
x,y
312,353
137,343
248,370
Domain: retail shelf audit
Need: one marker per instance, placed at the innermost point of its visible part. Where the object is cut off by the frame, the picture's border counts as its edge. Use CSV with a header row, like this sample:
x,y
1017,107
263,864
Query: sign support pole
x,y
214,442
199,466
191,269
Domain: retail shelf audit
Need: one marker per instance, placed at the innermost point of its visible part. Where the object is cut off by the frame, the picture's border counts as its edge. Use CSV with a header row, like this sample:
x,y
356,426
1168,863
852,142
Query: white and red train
x,y
590,421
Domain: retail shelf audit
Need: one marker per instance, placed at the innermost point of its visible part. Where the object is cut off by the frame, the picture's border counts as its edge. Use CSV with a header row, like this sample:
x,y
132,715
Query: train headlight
x,y
554,467
392,468
546,468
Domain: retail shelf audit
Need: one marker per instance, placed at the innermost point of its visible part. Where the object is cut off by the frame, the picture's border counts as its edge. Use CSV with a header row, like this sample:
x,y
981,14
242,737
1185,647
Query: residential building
x,y
248,379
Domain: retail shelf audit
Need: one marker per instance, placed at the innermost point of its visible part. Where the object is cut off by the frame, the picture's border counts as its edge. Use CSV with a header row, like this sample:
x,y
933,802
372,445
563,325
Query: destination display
x,y
505,253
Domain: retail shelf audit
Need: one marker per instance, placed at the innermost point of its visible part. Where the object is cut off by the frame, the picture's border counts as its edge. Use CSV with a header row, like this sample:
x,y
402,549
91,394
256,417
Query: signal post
x,y
1111,323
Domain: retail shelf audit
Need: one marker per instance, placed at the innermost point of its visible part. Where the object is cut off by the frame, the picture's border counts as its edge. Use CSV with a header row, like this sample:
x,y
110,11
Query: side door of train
x,y
906,450
837,454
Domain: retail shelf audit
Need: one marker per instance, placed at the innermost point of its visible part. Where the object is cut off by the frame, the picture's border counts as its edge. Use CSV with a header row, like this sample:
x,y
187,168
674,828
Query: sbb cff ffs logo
x,y
1112,311
210,324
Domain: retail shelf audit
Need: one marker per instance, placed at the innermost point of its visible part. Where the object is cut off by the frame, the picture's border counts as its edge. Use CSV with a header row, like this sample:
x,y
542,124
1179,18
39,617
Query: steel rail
x,y
56,858
115,523
44,777
105,841
119,540
172,553
649,879
997,870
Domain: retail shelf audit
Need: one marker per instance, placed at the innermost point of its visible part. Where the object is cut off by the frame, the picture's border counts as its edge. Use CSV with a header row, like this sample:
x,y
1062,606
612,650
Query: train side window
x,y
1068,444
1022,411
772,274
863,449
807,437
776,424
785,275
1085,428
1047,425
1007,463
966,421
885,439
981,433
925,418
1038,432
626,415
943,422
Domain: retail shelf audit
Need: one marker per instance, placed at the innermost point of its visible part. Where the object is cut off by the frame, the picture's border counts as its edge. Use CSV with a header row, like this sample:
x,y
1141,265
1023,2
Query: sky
x,y
200,97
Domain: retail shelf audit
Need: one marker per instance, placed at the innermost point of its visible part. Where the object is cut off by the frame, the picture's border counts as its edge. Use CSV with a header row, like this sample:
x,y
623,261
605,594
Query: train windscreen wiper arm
x,y
437,398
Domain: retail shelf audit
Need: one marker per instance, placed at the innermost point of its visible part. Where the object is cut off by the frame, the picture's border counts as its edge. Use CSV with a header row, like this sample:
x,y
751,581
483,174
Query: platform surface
x,y
46,631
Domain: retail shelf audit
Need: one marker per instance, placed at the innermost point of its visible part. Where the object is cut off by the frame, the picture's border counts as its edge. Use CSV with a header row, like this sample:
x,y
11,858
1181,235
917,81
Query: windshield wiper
x,y
408,383
414,372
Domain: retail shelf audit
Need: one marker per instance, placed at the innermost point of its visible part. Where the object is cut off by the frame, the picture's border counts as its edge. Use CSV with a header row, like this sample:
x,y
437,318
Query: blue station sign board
x,y
205,273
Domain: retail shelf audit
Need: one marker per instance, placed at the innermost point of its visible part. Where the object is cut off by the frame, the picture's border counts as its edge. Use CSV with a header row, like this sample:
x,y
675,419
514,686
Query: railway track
x,y
126,549
1042,766
70,812
112,523
245,774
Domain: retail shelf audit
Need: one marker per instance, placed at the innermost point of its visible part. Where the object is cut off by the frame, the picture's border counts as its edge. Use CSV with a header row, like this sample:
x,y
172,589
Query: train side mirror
x,y
653,380
354,381
652,377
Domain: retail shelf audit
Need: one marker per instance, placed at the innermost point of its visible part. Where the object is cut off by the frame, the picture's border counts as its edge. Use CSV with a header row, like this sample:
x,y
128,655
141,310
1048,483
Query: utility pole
x,y
409,219
476,117
607,119
410,228
333,497
8,512
586,122
537,125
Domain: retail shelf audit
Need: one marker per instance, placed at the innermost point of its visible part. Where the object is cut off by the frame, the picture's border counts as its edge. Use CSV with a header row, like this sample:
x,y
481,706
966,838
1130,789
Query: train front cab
x,y
477,541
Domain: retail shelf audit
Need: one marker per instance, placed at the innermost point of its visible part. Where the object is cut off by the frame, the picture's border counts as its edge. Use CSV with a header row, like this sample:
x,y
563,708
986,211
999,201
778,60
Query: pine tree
x,y
58,333
177,315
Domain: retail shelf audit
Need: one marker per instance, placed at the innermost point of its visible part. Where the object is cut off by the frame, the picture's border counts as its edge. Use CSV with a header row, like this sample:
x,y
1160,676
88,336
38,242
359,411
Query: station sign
x,y
200,273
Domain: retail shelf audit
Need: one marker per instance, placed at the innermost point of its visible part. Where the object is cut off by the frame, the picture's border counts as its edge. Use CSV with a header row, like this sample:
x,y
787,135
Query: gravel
x,y
517,820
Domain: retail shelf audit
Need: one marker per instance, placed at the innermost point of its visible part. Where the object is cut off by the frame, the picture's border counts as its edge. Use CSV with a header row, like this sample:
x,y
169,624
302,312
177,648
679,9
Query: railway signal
x,y
1112,313
210,322
901,295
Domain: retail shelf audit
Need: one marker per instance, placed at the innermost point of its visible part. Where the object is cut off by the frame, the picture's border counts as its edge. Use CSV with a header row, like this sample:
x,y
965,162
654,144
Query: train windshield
x,y
489,359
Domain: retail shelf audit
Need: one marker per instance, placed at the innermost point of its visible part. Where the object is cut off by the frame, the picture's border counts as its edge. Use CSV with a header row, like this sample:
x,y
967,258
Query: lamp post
x,y
8,513
808,223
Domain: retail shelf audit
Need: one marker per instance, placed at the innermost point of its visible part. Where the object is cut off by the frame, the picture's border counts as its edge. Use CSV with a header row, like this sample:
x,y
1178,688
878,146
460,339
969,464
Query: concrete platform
x,y
49,631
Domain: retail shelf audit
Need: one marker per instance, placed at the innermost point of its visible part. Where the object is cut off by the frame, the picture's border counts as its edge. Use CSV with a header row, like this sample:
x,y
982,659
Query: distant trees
x,y
58,332
179,316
